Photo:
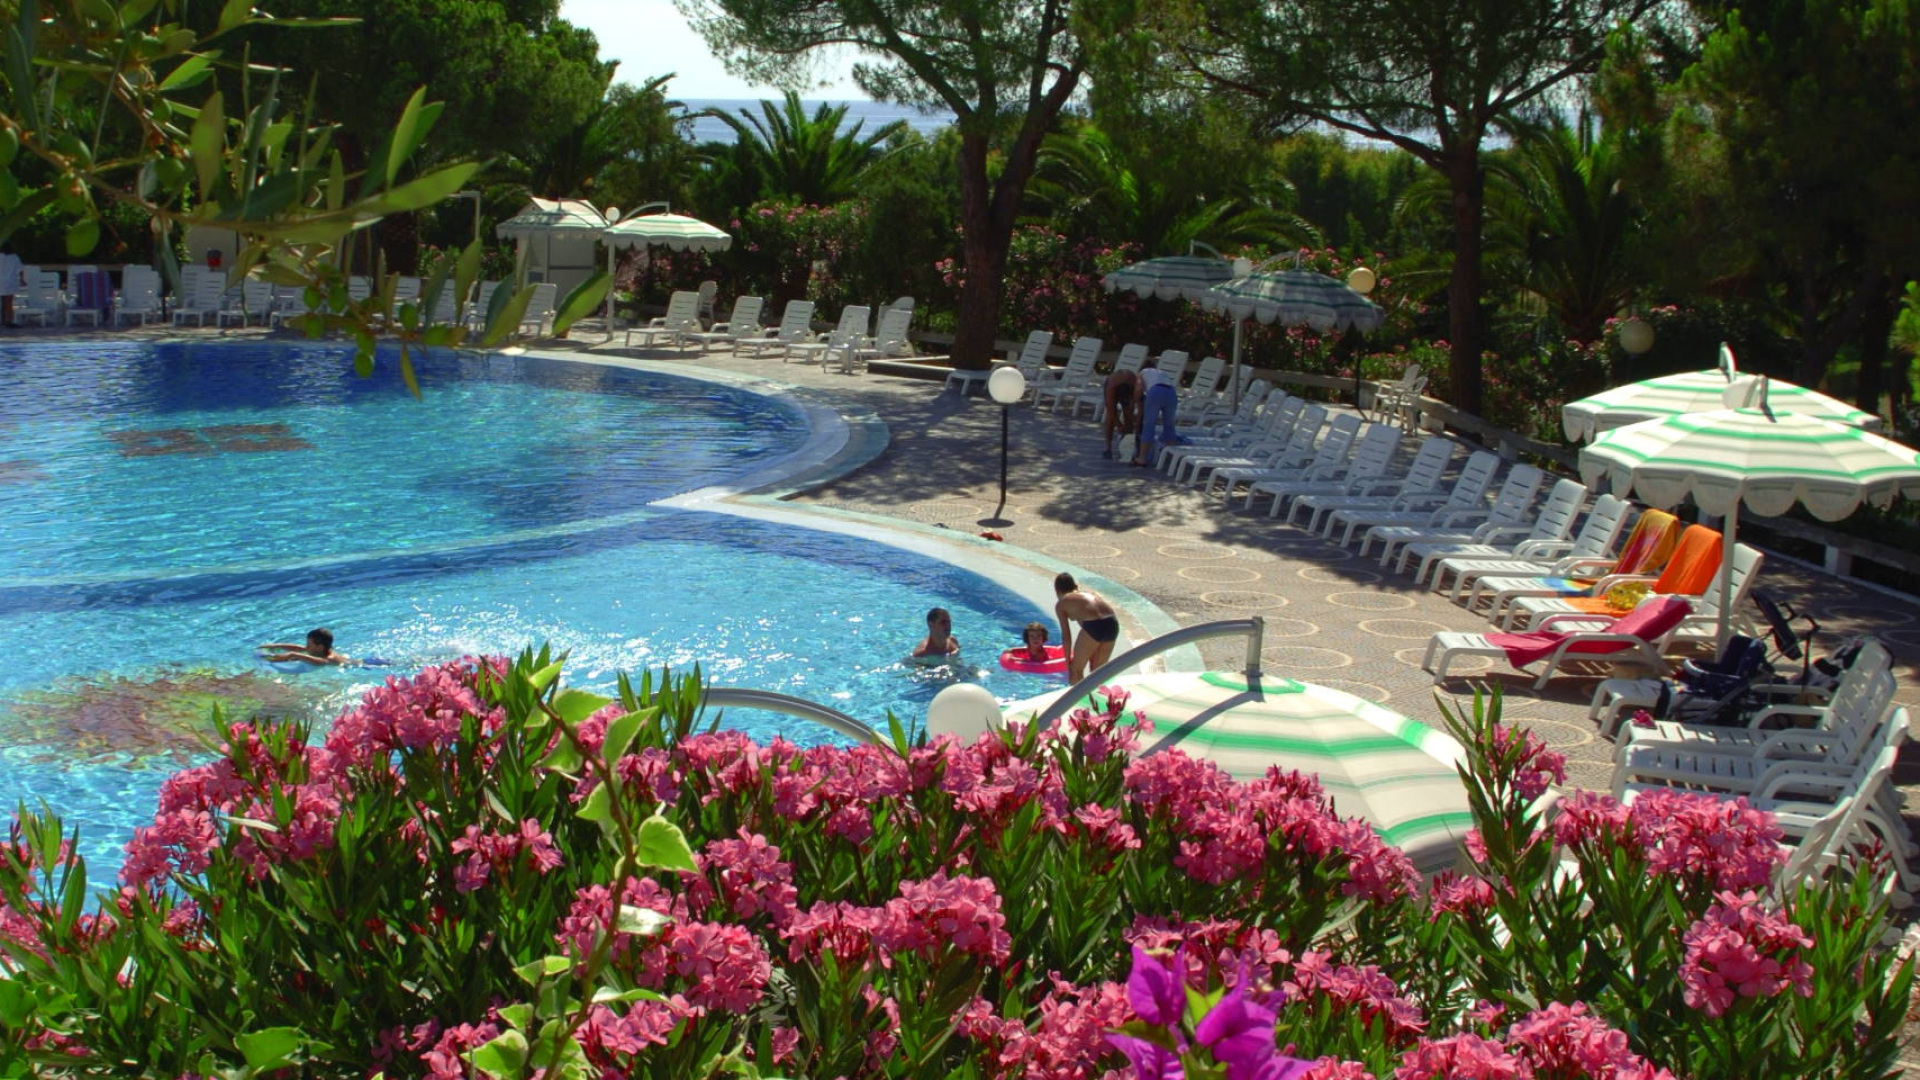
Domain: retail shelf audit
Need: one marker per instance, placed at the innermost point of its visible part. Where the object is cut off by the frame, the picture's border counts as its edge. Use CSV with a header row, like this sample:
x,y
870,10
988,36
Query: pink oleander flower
x,y
1535,767
1330,1068
1460,894
443,1061
1460,1057
751,878
723,967
845,930
1365,990
1566,1041
961,913
1738,949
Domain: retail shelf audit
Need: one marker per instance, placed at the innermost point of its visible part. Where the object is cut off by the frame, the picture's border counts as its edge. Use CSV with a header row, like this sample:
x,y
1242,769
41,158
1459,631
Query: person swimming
x,y
939,641
1099,626
318,649
1035,636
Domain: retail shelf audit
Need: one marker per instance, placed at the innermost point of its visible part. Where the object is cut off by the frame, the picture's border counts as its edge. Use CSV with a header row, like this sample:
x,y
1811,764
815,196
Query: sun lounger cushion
x,y
1649,622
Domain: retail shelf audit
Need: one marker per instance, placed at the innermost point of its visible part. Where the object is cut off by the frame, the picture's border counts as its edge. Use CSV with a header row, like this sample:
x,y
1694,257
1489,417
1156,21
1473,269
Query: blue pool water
x,y
166,507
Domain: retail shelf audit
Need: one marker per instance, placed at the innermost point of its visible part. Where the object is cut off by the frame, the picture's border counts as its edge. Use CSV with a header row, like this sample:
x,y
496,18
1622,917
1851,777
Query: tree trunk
x,y
399,240
1464,289
983,253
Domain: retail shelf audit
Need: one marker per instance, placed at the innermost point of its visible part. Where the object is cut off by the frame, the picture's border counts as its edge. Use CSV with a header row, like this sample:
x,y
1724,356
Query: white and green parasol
x,y
1395,772
1172,277
675,232
1699,391
1764,458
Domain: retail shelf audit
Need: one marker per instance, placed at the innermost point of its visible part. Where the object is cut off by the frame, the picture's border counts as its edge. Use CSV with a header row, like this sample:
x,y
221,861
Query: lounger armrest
x,y
1796,744
1600,587
1444,518
1418,500
1583,567
1573,621
1324,473
1782,778
1492,531
1542,549
1816,713
1373,485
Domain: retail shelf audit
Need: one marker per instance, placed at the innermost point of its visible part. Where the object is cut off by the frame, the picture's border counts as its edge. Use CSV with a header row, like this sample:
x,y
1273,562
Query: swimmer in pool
x,y
1035,635
1099,627
317,650
939,640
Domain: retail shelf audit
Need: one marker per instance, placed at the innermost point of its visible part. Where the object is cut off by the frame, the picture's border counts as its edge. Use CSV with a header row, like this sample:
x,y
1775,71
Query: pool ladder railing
x,y
1253,629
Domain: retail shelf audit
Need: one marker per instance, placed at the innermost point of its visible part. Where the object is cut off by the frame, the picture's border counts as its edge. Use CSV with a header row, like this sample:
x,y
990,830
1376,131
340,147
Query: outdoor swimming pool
x,y
168,506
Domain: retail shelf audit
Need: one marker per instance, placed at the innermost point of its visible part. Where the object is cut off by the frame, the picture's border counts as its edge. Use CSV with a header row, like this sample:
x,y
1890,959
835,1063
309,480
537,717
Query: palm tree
x,y
1084,184
571,163
807,159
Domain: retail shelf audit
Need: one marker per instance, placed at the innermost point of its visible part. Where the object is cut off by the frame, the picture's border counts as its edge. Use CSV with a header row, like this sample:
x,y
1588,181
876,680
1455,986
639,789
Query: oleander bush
x,y
480,872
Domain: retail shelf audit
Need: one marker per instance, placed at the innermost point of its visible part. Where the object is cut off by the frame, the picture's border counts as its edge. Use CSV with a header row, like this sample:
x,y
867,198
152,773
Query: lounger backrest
x,y
1829,835
207,292
1375,452
796,321
1306,431
1653,620
43,289
1278,421
1174,362
683,309
1206,378
256,296
1476,476
407,288
1081,360
895,324
1555,519
1742,571
744,320
358,287
852,329
545,295
1133,356
1602,527
1033,355
1338,443
1516,493
1429,464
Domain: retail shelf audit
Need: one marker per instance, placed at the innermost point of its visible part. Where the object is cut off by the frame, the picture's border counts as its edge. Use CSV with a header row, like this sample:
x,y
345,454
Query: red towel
x,y
1648,622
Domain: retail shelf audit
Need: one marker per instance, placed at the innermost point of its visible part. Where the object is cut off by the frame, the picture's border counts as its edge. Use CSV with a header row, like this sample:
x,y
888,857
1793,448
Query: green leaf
x,y
518,1016
503,1056
208,141
415,121
662,844
270,1048
564,758
465,274
576,705
82,235
191,72
597,806
644,922
407,374
232,14
424,191
544,677
505,314
620,735
533,971
581,301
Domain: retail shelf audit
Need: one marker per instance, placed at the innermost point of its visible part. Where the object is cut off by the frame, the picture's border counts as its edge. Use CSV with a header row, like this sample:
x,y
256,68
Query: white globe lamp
x,y
965,711
1362,280
1636,336
1006,386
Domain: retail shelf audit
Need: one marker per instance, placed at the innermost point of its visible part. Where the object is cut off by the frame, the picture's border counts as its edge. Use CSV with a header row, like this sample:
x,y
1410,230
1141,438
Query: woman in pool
x,y
1099,626
317,650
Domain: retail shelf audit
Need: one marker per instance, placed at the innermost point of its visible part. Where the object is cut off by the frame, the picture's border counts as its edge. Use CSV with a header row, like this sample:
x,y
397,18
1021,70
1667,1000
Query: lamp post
x,y
1360,280
475,196
1005,386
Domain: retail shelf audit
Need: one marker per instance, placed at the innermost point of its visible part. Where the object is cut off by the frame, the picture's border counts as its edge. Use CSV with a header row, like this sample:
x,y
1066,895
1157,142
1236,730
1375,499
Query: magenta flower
x,y
1155,991
1239,1031
1151,1061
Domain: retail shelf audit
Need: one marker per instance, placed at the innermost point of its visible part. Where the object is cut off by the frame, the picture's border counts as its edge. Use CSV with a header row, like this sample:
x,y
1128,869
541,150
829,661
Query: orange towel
x,y
1648,546
1688,573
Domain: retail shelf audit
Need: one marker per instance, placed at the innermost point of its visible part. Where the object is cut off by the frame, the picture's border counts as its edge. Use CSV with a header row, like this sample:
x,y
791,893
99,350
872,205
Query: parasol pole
x,y
1237,324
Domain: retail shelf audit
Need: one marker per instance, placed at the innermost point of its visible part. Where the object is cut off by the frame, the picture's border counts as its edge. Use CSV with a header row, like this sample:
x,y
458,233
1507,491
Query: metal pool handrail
x,y
773,701
1253,629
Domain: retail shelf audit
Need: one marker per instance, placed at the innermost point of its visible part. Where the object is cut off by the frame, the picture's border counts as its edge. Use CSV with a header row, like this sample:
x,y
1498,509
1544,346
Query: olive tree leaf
x,y
208,140
581,301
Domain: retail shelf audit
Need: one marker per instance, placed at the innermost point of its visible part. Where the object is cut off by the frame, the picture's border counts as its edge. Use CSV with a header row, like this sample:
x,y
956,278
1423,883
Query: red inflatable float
x,y
1016,659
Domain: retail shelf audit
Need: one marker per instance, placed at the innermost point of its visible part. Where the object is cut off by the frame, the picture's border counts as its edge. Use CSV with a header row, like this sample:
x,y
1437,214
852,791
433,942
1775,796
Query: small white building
x,y
556,241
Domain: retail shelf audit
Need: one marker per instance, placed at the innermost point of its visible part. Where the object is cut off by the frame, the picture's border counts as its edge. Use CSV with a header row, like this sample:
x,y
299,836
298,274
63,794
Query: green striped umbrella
x,y
1395,772
1697,391
673,231
1296,298
547,219
1173,277
1765,459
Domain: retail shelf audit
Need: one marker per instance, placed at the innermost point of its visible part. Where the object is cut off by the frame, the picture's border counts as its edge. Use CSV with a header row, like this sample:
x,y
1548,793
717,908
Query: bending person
x,y
1099,627
1122,408
1161,399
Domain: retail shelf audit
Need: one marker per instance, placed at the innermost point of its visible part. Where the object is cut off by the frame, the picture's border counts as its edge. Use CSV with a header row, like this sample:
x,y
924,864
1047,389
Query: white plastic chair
x,y
742,322
41,301
1133,357
1638,637
539,313
846,335
1468,494
1597,535
1420,485
796,325
1329,461
1372,456
1077,373
890,335
202,300
1511,513
682,319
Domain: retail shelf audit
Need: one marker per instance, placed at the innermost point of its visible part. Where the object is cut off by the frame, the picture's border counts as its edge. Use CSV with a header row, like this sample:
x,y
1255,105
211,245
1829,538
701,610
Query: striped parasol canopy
x,y
1698,391
1296,298
674,231
1172,277
554,218
1395,772
1759,458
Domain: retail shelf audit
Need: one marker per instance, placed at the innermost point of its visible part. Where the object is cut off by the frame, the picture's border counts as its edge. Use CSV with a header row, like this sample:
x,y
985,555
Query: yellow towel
x,y
1648,546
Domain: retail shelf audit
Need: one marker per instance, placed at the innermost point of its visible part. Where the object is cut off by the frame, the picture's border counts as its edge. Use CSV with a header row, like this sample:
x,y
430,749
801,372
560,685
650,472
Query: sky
x,y
651,38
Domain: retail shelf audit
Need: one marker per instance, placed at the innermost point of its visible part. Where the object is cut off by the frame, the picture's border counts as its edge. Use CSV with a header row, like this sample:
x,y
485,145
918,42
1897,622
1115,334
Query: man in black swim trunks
x,y
1122,408
1099,627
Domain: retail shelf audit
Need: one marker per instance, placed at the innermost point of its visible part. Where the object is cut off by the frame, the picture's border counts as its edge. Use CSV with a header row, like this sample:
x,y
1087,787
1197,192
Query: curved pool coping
x,y
844,436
